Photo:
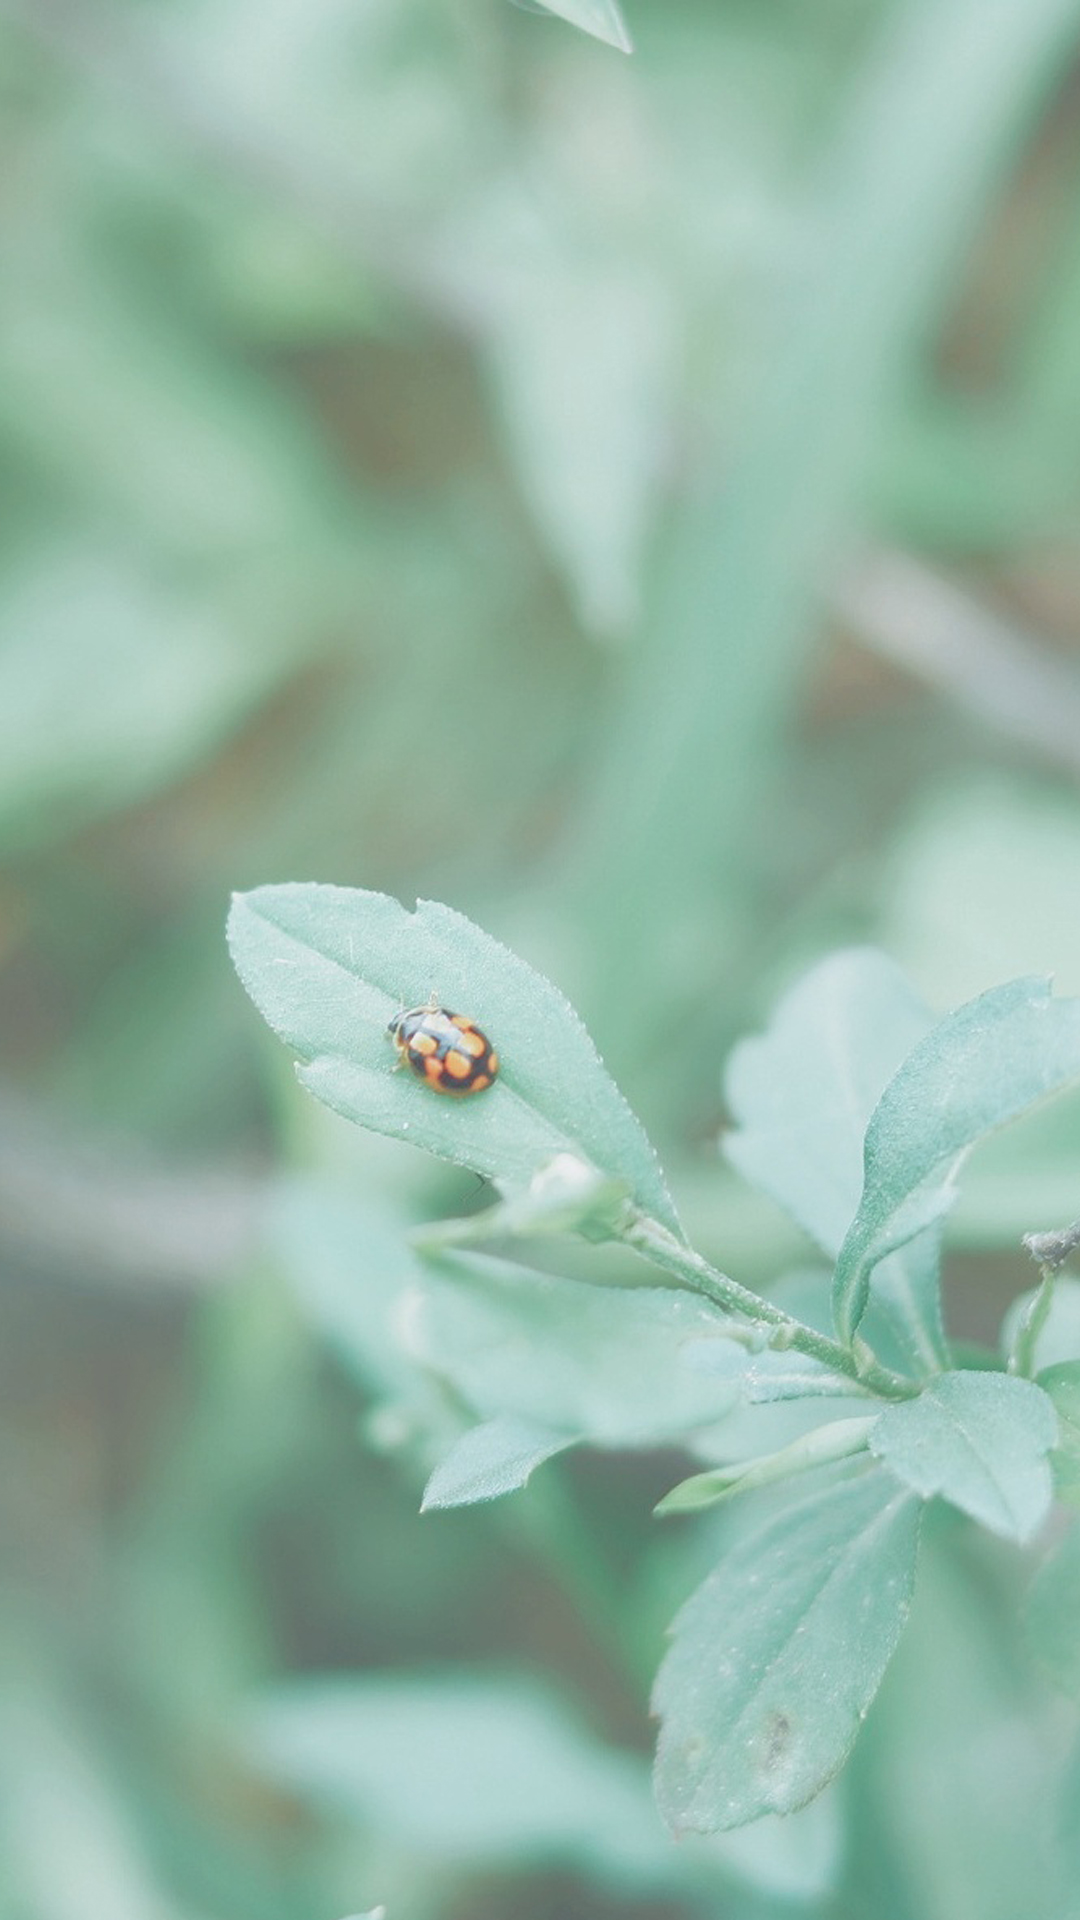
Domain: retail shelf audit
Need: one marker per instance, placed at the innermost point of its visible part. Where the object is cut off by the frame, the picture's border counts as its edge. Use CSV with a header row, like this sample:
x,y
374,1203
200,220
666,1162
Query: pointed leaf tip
x,y
602,19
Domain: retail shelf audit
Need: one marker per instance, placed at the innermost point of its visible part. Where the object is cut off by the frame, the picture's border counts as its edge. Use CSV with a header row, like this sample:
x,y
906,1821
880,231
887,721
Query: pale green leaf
x,y
329,966
822,1446
929,124
1062,1384
582,355
1057,1342
481,1767
768,1376
605,1363
490,1460
348,1266
802,1095
111,683
567,1196
802,1092
601,18
964,1759
71,1841
775,1660
978,1068
974,885
981,1441
1053,1613
458,1767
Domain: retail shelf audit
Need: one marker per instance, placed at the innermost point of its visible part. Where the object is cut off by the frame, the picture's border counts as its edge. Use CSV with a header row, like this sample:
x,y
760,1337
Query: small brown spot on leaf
x,y
776,1741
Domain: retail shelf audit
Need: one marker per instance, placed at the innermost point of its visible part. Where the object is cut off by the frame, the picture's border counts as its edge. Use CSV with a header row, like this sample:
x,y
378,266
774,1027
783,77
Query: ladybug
x,y
447,1051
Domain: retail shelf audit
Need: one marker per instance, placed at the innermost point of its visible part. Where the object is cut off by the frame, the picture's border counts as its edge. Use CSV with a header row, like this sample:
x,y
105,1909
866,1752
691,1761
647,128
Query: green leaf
x,y
777,1657
978,1068
112,682
1053,1613
802,1095
976,875
981,1441
329,966
71,1838
492,1459
1057,1342
482,1767
963,1757
348,1266
602,18
573,320
821,1446
1062,1384
459,1767
929,123
605,1363
565,1197
768,1376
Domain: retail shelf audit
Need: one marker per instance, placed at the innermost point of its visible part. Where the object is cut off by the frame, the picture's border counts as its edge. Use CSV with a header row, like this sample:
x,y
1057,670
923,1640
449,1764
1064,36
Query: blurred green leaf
x,y
582,350
329,966
802,1095
460,1767
974,885
978,1068
469,1767
959,1769
993,467
981,1441
111,683
71,1844
1053,1610
348,1265
148,425
495,1458
603,1363
776,1659
934,115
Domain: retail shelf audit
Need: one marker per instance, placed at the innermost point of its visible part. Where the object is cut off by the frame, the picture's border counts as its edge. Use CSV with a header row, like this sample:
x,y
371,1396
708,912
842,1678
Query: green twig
x,y
856,1363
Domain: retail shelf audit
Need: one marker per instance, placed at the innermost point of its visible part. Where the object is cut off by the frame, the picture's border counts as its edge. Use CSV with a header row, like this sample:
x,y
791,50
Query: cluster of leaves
x,y
855,1110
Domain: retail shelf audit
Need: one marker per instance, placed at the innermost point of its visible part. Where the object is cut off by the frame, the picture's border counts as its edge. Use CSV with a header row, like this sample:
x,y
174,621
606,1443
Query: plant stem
x,y
655,1243
1051,1250
1022,1357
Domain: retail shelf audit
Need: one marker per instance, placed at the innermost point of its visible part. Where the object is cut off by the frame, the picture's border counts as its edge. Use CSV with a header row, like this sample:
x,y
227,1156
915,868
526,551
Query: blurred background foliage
x,y
638,501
